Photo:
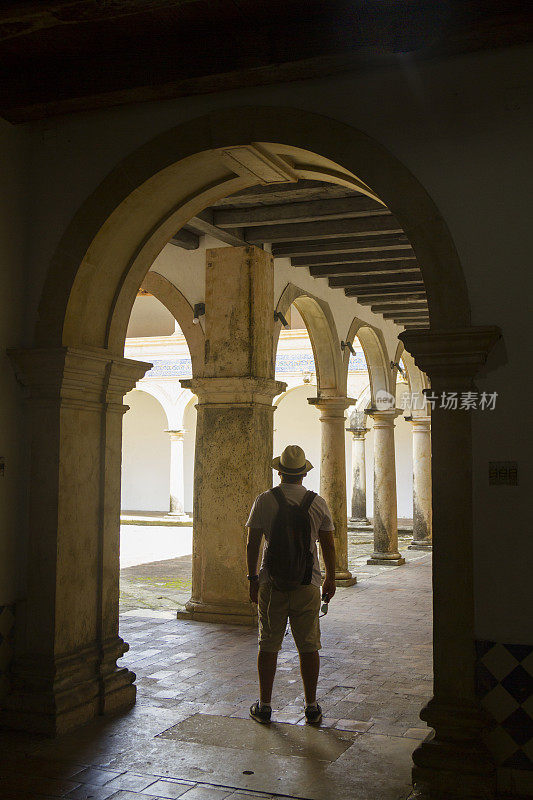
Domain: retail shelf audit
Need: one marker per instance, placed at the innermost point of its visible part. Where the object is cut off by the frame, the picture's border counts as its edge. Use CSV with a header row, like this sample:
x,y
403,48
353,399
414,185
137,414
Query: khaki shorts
x,y
301,606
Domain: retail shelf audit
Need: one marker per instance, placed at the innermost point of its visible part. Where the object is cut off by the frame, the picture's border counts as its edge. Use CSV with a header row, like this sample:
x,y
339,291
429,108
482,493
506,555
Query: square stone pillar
x,y
234,429
333,477
64,671
455,763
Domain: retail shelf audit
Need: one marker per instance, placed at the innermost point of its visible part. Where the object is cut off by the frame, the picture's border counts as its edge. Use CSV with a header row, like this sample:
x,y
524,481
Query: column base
x,y
225,613
345,578
454,764
420,544
52,697
359,522
180,516
386,559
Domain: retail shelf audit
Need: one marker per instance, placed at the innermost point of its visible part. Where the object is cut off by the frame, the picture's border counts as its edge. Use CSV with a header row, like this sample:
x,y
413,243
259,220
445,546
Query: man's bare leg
x,y
266,667
309,667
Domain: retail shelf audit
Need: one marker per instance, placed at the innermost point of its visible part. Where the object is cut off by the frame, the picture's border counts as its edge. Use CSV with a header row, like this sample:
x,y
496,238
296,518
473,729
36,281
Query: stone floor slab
x,y
277,738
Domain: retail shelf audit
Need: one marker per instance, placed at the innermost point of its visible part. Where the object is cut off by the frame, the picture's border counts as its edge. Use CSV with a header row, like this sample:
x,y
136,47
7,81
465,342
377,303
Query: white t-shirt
x,y
265,509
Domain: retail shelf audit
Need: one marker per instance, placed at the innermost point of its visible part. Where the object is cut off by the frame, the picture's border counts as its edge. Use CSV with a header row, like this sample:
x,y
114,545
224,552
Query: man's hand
x,y
328,589
254,591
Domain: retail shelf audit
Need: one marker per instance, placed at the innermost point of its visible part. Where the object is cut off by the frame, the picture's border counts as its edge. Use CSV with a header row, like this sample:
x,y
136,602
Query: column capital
x,y
384,418
70,374
234,390
335,406
451,356
358,433
422,424
176,436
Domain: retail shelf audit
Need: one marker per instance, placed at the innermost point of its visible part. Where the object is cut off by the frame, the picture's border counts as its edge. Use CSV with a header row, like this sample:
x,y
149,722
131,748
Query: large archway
x,y
121,228
99,265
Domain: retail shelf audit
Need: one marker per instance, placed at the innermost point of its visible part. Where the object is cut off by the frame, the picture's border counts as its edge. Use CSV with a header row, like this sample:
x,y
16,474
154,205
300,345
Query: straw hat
x,y
292,461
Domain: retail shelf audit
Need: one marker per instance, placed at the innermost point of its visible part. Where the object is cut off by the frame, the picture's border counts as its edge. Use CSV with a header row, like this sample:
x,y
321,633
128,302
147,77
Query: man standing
x,y
301,605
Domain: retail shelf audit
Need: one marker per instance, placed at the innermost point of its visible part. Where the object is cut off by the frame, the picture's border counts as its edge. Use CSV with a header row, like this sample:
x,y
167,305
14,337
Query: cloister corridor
x,y
190,736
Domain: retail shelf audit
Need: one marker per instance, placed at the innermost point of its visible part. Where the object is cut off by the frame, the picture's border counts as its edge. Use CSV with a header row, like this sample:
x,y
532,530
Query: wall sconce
x,y
198,311
400,370
348,345
279,316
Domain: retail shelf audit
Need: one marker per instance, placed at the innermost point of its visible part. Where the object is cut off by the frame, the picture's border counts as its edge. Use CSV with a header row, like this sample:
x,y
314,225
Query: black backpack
x,y
289,559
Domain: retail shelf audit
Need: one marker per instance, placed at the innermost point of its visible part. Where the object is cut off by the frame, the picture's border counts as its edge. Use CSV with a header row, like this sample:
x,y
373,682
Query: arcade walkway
x,y
189,735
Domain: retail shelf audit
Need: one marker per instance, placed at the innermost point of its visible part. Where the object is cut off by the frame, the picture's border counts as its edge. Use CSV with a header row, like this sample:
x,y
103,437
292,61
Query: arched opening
x,y
99,266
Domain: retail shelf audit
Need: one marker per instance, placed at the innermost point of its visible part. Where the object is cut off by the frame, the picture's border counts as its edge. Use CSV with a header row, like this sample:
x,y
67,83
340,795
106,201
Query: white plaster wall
x,y
403,441
145,455
297,422
463,127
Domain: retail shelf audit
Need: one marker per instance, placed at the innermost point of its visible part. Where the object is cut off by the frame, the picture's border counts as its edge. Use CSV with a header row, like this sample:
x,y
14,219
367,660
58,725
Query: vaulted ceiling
x,y
331,231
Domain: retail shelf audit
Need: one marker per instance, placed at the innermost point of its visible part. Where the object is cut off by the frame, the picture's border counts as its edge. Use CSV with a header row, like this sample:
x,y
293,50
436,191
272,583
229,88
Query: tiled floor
x,y
189,735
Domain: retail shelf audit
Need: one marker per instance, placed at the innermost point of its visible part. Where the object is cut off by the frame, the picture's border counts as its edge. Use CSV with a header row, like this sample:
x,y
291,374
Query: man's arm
x,y
252,557
327,545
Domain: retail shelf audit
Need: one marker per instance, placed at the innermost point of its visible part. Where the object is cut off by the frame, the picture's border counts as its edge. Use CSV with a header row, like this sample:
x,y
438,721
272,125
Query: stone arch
x,y
375,352
95,273
279,399
174,301
158,395
322,331
417,380
115,236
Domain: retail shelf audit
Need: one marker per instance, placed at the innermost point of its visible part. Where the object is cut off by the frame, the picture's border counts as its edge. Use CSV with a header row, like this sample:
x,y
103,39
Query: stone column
x,y
333,477
358,505
234,428
421,483
176,473
385,508
64,672
455,763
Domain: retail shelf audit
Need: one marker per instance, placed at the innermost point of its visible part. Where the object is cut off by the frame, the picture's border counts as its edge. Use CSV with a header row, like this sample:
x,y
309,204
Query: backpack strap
x,y
280,497
307,500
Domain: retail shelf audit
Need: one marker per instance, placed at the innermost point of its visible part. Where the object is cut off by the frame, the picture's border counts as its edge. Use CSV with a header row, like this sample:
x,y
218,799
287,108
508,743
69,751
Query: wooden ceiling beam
x,y
407,315
386,291
274,194
186,239
311,211
419,307
364,268
377,282
361,244
353,258
322,230
375,276
390,299
203,223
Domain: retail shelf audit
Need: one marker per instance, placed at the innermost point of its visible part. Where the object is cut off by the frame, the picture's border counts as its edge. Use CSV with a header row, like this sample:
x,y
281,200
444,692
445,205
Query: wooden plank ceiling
x,y
333,232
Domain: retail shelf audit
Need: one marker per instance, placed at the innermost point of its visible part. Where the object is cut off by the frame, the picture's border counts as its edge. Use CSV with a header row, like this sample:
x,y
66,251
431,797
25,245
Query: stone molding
x,y
358,433
455,355
421,424
176,436
385,418
234,391
85,378
331,406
